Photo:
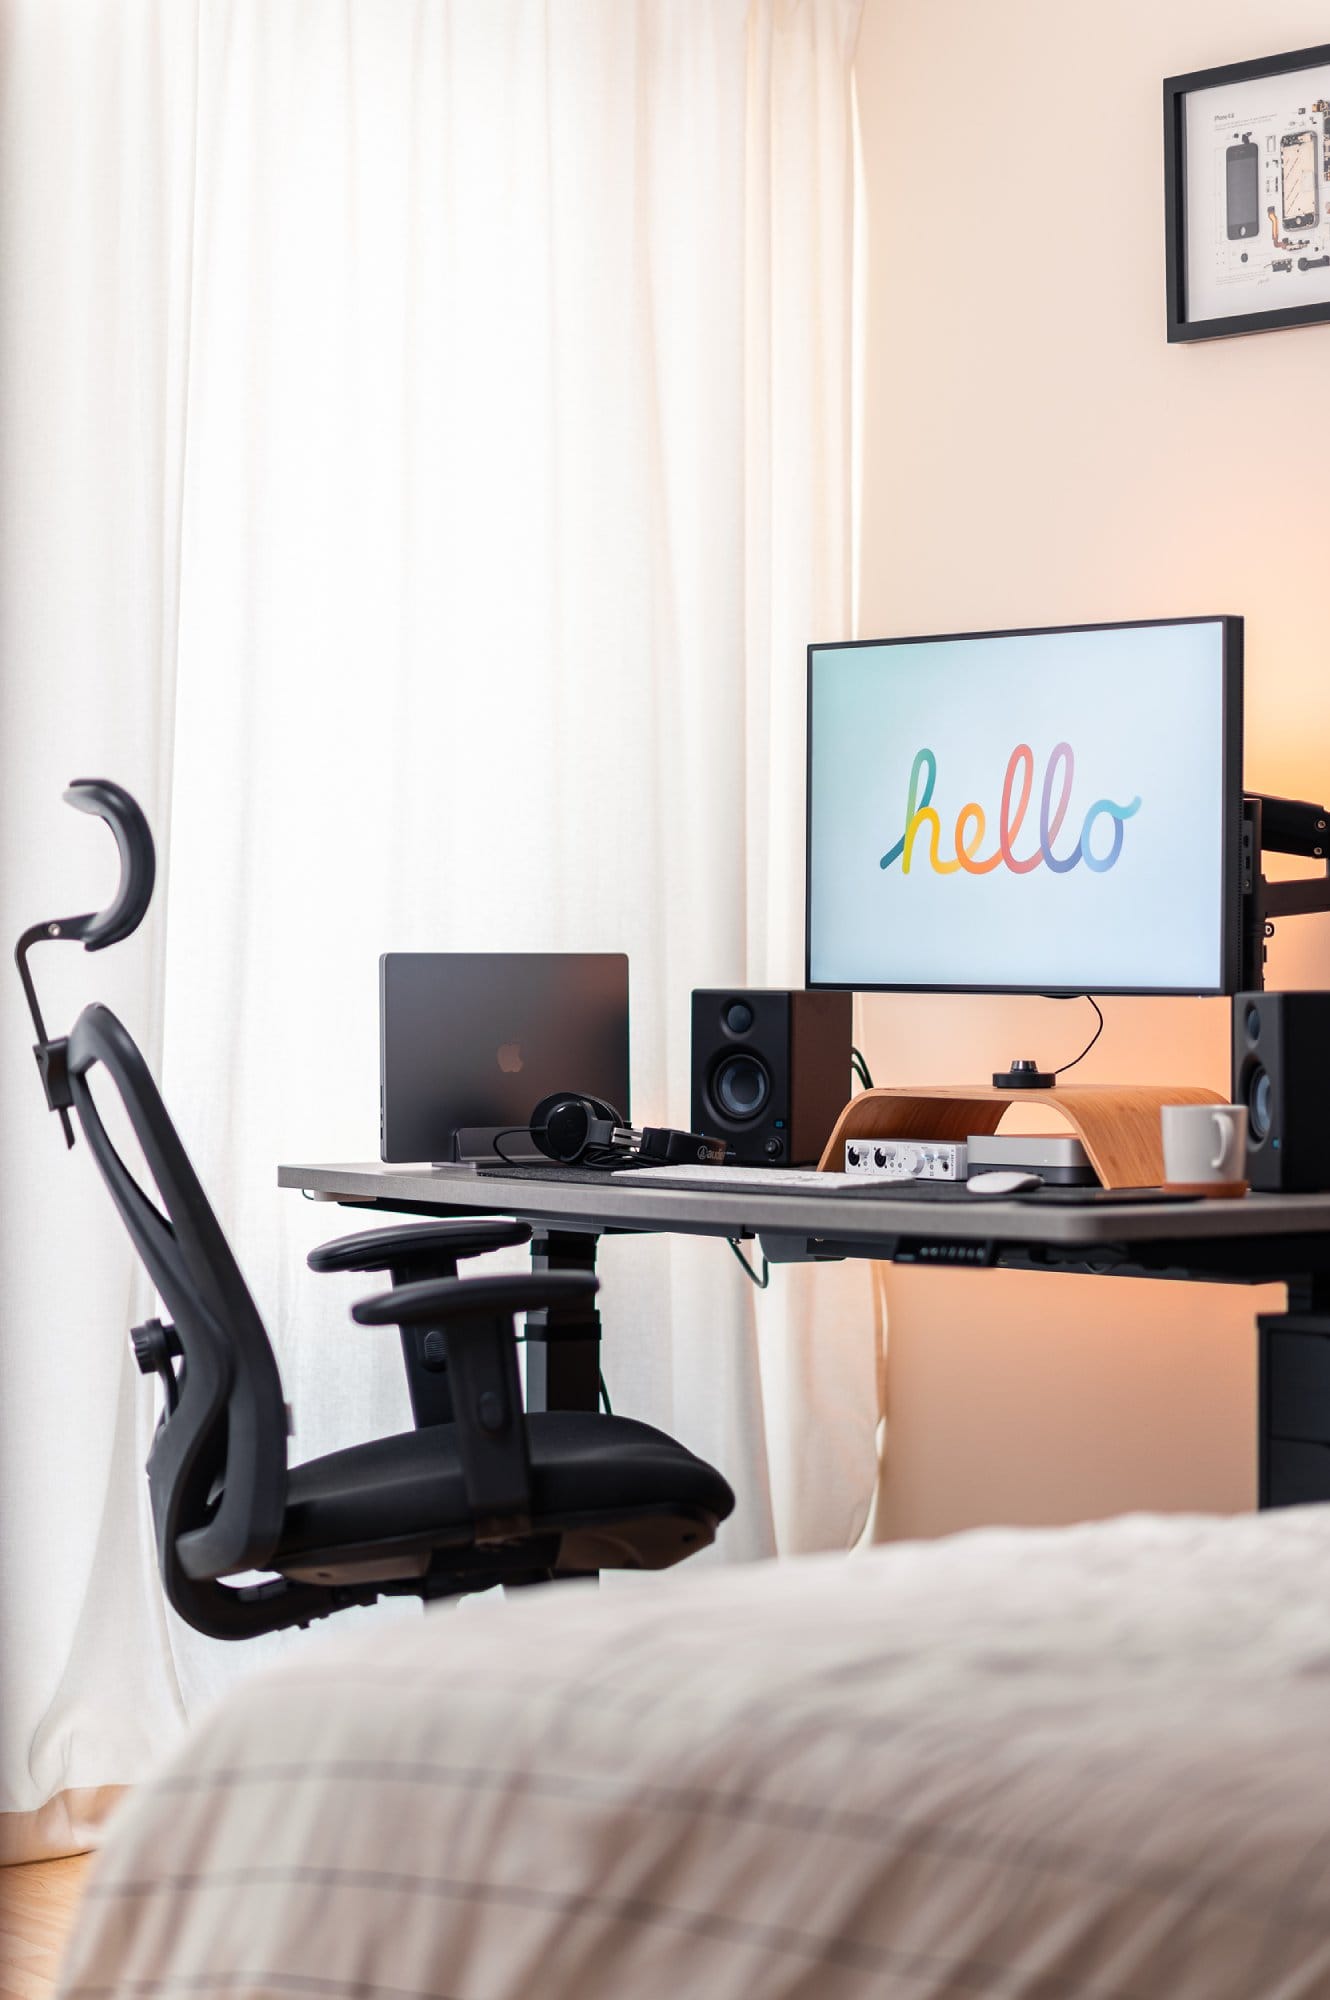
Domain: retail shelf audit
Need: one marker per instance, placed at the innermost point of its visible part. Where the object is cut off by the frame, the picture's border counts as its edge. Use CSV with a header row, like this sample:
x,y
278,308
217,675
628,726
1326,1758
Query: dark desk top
x,y
863,1221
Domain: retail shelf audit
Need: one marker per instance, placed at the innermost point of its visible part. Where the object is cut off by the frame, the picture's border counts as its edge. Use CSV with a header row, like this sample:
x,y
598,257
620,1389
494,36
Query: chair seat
x,y
411,1488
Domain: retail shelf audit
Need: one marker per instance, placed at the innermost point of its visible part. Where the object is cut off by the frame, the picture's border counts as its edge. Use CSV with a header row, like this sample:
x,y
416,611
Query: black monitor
x,y
1054,810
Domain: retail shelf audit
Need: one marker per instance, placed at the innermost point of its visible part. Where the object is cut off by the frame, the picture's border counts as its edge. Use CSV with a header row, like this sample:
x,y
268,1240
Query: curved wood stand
x,y
1118,1124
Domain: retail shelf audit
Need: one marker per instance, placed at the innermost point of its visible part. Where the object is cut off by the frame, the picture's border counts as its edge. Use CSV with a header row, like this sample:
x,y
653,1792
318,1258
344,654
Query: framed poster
x,y
1247,196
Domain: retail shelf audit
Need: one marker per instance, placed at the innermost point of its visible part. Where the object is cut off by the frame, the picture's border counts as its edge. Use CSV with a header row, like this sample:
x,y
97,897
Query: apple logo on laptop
x,y
510,1057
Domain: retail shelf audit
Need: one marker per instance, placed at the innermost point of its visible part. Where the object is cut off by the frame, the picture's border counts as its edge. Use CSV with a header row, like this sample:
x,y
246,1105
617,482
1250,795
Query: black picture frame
x,y
1230,980
1183,322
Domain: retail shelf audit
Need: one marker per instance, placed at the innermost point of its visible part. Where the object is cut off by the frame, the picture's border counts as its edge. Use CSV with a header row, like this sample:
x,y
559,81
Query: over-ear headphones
x,y
567,1126
578,1130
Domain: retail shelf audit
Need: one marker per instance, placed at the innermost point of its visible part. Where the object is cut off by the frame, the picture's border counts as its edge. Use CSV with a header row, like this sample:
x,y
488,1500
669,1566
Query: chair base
x,y
649,1538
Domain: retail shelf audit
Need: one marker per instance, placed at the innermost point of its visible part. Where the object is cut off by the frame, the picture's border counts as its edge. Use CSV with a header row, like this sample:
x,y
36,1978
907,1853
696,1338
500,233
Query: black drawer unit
x,y
1294,1474
1298,1370
1295,1408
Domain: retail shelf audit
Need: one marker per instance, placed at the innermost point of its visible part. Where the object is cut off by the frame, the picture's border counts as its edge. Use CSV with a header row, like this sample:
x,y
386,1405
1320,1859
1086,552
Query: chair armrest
x,y
472,1318
440,1300
412,1252
410,1244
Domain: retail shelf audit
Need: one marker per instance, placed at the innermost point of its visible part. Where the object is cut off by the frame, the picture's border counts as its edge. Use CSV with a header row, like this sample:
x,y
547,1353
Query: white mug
x,y
1204,1145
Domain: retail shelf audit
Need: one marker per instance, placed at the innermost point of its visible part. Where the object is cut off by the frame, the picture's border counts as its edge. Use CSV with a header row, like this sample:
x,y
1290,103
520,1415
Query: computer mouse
x,y
1000,1183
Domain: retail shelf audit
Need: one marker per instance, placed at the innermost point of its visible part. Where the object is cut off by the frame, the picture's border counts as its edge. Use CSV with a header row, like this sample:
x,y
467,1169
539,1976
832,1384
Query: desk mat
x,y
586,1176
924,1191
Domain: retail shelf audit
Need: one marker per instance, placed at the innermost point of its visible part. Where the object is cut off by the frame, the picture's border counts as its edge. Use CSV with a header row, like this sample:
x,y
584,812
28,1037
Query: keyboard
x,y
556,1170
757,1180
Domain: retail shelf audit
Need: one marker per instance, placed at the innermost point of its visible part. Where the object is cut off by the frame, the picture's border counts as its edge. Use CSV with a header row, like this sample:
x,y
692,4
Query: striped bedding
x,y
1090,1762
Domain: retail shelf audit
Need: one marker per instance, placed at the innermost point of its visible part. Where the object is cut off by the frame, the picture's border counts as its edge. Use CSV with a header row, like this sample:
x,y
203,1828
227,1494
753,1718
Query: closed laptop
x,y
469,1042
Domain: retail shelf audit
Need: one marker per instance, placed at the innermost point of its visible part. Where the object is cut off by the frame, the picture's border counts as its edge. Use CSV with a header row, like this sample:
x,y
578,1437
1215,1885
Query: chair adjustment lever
x,y
53,1063
492,1414
155,1346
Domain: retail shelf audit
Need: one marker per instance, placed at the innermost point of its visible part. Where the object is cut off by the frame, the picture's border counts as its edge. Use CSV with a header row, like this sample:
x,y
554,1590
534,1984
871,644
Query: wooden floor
x,y
37,1905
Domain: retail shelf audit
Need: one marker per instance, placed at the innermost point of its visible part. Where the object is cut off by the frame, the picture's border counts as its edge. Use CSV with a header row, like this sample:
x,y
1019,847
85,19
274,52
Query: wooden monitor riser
x,y
1118,1124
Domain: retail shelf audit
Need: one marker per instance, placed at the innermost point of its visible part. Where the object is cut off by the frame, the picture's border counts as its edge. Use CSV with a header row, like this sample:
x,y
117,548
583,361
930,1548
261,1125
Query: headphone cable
x,y
508,1132
600,1157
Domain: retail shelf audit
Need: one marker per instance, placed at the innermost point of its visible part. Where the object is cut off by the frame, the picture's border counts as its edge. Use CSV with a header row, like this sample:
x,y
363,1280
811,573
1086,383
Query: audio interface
x,y
907,1159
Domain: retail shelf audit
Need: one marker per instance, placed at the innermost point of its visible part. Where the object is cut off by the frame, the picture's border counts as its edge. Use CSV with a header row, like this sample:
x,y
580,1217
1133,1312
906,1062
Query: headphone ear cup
x,y
559,1126
539,1136
600,1109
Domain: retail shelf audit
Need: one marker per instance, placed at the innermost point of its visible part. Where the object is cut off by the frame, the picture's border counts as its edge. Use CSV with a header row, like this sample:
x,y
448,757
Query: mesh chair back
x,y
217,1471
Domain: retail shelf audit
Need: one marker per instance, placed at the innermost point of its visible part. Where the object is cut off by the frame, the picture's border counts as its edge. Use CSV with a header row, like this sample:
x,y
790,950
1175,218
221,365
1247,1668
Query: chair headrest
x,y
138,861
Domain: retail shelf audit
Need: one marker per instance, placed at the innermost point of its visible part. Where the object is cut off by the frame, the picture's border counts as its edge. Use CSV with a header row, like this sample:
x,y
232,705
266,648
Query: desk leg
x,y
563,1373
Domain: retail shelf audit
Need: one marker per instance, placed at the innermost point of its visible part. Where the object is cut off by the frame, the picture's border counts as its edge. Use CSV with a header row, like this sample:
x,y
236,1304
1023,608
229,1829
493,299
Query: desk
x,y
1262,1239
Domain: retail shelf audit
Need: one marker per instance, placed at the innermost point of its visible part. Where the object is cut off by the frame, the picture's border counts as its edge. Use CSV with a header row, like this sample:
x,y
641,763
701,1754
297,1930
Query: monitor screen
x,y
1053,811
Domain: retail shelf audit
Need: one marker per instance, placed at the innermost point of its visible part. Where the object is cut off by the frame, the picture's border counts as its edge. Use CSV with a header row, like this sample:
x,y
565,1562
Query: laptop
x,y
470,1041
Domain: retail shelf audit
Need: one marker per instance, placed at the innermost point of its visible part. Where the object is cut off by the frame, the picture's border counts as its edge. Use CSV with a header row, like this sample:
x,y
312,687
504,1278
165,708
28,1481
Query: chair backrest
x,y
217,1470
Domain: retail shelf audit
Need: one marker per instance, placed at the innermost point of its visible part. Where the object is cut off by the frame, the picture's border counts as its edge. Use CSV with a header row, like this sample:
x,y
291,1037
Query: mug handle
x,y
1225,1131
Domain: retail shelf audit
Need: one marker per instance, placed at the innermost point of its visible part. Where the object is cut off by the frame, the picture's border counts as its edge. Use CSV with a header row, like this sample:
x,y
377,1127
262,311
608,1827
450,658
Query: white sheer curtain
x,y
427,455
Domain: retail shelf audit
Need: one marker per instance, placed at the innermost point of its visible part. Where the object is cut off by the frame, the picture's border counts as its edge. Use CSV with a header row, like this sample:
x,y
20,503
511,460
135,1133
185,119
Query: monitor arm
x,y
1279,826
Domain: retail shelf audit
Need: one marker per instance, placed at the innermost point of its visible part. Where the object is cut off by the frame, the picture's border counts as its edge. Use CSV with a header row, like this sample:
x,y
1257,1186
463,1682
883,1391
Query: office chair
x,y
479,1493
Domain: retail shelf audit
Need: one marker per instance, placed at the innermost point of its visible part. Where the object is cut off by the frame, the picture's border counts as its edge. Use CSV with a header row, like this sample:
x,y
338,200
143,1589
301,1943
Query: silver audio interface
x,y
907,1159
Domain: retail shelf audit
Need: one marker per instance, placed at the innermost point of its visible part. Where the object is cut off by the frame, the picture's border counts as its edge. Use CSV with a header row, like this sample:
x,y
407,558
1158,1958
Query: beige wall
x,y
1035,453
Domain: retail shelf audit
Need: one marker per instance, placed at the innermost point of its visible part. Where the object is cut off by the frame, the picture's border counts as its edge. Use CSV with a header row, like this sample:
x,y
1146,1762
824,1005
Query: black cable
x,y
1094,1037
860,1068
506,1132
606,1157
605,1396
765,1278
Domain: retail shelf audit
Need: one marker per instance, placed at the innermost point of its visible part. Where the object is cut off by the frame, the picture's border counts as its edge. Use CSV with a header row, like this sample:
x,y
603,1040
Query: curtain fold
x,y
96,137
428,458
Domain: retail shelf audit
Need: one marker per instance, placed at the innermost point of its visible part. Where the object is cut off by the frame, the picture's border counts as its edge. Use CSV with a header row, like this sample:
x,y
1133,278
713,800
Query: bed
x,y
1086,1762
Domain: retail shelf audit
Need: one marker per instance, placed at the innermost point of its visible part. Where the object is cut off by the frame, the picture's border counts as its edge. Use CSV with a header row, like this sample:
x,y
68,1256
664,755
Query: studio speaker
x,y
771,1071
1281,1076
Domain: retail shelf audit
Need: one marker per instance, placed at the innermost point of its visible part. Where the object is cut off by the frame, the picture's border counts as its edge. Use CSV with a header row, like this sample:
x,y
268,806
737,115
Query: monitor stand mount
x,y
1117,1123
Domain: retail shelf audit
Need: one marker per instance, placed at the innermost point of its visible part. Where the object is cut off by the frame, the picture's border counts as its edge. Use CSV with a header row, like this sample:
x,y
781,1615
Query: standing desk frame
x,y
1262,1239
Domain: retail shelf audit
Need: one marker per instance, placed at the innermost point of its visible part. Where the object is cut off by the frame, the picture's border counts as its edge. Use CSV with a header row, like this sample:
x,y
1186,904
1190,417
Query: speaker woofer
x,y
1260,1106
741,1086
